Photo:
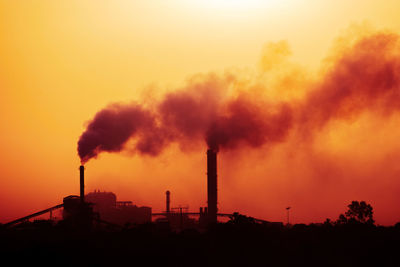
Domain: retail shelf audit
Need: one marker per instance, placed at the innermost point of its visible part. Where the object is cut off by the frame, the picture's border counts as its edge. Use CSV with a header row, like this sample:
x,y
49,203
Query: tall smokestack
x,y
168,202
212,185
82,182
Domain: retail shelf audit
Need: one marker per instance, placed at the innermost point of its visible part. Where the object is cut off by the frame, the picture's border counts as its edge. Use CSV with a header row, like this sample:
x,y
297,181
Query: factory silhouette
x,y
102,208
98,230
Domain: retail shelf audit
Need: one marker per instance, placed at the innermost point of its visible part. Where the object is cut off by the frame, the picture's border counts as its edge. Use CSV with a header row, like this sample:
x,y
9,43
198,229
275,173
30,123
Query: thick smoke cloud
x,y
246,124
226,115
113,126
366,76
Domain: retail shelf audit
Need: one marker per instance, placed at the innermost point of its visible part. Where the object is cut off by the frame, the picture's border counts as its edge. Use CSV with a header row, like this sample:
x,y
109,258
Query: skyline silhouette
x,y
300,99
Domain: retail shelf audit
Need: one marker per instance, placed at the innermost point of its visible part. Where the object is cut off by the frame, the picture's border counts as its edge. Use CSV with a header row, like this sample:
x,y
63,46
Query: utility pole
x,y
288,209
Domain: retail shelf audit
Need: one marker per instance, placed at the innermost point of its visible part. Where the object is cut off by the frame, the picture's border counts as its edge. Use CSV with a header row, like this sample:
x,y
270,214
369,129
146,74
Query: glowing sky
x,y
63,61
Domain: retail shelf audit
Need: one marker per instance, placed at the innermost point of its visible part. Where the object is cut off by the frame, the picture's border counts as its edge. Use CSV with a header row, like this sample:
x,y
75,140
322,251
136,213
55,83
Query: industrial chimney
x,y
168,202
82,182
212,185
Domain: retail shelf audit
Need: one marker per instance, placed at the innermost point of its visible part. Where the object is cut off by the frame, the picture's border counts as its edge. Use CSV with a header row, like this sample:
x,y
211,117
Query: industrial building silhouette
x,y
95,207
99,230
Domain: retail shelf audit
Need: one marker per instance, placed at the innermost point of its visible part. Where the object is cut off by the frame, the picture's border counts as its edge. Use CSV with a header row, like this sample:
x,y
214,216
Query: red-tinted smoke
x,y
113,126
248,124
365,76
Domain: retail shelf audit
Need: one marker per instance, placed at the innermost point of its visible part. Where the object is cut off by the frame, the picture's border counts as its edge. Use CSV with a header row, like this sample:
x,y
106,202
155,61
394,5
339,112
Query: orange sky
x,y
61,62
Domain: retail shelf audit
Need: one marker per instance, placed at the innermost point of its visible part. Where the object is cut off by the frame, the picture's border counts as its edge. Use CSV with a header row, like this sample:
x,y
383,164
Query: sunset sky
x,y
61,62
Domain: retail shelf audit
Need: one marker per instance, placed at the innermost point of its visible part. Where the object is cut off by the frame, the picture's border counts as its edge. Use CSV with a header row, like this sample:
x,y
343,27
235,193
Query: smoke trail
x,y
196,113
247,124
113,126
365,76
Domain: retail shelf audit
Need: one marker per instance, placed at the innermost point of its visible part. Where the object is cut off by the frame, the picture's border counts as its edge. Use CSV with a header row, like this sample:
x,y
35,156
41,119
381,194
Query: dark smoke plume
x,y
113,126
247,124
366,76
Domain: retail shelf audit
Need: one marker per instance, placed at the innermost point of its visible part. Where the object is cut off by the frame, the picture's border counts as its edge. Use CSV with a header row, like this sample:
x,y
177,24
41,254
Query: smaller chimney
x,y
82,182
168,202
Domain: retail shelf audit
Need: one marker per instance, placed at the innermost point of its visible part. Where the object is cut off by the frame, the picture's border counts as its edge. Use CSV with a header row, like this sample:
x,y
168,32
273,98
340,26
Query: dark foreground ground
x,y
228,244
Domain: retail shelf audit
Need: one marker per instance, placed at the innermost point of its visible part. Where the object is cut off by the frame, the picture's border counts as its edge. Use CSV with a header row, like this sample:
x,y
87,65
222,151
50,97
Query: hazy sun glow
x,y
242,5
234,3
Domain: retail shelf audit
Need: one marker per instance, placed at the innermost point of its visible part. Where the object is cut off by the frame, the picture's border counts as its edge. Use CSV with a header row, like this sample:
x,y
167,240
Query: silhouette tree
x,y
358,212
328,223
